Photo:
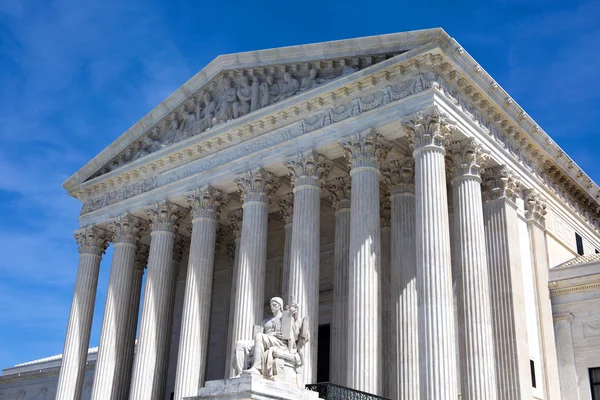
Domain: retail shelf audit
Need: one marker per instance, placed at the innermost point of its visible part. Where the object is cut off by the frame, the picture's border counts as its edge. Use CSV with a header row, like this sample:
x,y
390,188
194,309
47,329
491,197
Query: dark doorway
x,y
323,354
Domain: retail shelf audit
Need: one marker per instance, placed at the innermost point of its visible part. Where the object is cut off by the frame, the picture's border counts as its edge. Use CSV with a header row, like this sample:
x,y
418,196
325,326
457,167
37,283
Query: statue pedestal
x,y
248,386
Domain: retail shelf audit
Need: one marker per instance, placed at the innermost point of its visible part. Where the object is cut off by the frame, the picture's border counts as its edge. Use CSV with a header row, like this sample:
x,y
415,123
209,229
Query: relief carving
x,y
309,124
232,99
591,328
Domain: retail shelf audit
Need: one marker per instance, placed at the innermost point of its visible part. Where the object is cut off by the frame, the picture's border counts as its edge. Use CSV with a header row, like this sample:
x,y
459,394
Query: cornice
x,y
251,61
574,289
477,94
261,121
382,87
462,81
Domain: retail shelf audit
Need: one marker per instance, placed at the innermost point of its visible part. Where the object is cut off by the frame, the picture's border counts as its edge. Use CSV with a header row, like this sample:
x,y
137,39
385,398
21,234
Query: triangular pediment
x,y
235,85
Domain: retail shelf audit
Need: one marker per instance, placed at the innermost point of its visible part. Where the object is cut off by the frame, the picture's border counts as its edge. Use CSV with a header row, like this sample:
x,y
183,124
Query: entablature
x,y
439,64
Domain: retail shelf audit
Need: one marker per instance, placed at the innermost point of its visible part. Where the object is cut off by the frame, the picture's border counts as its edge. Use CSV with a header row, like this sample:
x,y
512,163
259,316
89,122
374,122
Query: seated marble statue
x,y
283,337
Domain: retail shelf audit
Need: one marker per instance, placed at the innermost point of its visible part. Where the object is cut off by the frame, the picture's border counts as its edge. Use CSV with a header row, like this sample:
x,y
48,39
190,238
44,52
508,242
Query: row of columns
x,y
414,279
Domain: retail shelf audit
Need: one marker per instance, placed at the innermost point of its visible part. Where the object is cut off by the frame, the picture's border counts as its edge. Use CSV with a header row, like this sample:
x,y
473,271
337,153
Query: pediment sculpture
x,y
277,349
232,94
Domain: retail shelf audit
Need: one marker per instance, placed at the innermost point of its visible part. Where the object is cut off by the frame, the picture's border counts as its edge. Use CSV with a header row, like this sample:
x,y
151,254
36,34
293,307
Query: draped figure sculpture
x,y
278,345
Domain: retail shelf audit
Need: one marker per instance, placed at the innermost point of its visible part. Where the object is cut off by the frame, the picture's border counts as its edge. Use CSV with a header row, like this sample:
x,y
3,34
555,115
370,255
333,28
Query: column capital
x,y
92,240
468,159
308,168
141,256
430,128
386,212
399,177
500,182
563,317
165,216
235,222
257,185
127,228
340,190
365,149
286,207
535,207
205,202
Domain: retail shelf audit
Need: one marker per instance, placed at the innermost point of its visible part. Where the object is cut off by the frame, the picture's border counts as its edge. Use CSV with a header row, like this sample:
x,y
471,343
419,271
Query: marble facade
x,y
387,183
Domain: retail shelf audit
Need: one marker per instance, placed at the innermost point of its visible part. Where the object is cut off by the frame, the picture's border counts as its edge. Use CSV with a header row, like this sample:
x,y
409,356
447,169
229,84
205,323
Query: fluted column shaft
x,y
306,171
236,223
509,324
365,153
403,345
92,243
478,379
249,280
108,375
150,366
286,206
340,191
388,333
193,347
437,377
535,213
132,319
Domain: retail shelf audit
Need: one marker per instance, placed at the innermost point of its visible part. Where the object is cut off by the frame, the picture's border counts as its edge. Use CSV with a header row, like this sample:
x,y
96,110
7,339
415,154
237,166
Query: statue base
x,y
249,386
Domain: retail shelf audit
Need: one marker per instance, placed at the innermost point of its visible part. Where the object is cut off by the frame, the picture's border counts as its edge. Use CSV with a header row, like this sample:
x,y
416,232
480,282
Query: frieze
x,y
503,141
233,94
397,91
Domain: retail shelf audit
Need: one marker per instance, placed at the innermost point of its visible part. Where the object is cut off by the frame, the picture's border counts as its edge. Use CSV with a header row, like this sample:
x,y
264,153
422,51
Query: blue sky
x,y
75,74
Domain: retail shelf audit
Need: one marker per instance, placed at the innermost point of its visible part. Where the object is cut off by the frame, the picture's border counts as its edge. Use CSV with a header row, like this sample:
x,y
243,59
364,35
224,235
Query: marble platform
x,y
248,386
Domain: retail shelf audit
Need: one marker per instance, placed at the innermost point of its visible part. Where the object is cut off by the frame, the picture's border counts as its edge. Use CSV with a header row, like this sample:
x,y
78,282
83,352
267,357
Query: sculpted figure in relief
x,y
288,87
269,90
254,103
282,337
244,93
208,113
228,98
309,81
172,132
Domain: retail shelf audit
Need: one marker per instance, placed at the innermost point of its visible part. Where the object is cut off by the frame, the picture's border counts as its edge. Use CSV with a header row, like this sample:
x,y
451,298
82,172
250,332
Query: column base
x,y
248,386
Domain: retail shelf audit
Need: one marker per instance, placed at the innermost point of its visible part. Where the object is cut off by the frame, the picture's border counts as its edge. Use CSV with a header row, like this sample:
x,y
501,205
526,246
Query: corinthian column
x,y
286,206
306,171
108,376
535,213
235,222
507,294
141,261
193,345
478,379
340,191
249,280
437,377
150,366
364,152
92,242
404,345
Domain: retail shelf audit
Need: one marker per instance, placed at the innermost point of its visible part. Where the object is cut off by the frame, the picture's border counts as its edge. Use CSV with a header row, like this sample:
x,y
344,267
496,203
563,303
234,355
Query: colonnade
x,y
396,306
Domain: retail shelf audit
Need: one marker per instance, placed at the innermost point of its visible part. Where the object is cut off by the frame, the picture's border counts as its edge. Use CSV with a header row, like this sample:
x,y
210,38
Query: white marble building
x,y
413,209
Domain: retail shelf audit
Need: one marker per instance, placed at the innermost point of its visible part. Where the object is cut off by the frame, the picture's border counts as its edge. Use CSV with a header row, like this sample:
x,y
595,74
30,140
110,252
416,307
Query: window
x,y
532,368
595,383
597,251
579,241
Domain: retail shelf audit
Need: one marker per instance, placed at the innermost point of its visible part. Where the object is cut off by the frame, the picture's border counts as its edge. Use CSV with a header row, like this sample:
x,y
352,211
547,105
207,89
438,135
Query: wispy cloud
x,y
74,76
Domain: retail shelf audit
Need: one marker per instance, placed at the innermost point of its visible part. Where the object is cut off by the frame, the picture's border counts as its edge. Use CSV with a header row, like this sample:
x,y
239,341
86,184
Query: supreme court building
x,y
388,184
